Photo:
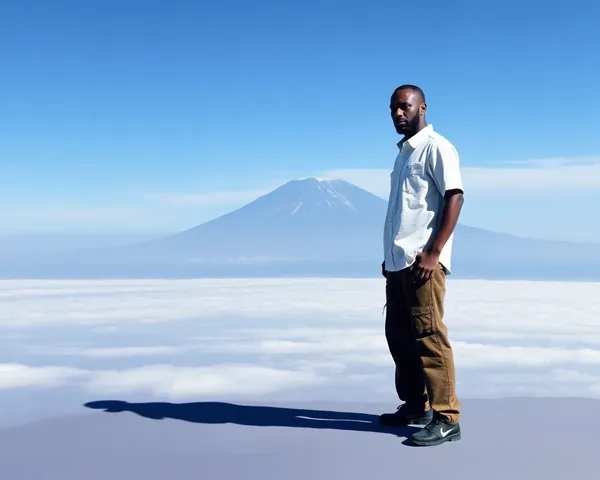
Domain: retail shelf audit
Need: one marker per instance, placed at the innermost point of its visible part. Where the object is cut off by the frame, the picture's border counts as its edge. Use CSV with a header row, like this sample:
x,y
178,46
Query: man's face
x,y
405,108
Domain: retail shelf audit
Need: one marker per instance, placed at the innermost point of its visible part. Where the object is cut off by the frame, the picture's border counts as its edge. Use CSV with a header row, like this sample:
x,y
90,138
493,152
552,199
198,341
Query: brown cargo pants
x,y
418,342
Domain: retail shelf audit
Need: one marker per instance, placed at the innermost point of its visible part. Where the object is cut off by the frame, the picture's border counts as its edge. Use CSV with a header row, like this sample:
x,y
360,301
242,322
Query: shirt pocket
x,y
413,181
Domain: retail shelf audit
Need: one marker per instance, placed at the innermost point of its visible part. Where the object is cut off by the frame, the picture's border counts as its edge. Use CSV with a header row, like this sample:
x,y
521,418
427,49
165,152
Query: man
x,y
426,198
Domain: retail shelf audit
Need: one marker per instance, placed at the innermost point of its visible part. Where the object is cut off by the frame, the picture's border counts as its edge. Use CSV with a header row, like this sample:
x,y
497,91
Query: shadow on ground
x,y
256,416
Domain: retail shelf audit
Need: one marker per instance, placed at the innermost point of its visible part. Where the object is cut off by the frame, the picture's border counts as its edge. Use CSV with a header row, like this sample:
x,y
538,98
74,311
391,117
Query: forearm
x,y
449,220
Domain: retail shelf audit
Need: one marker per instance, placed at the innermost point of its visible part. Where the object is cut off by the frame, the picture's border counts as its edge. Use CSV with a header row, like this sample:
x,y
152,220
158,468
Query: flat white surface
x,y
502,439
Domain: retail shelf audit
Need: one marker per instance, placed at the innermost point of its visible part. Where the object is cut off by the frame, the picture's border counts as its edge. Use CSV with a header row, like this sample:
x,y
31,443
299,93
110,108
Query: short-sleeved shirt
x,y
425,168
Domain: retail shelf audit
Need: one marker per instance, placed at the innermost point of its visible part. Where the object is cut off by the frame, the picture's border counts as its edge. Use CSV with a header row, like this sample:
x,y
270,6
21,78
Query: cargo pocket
x,y
422,293
424,320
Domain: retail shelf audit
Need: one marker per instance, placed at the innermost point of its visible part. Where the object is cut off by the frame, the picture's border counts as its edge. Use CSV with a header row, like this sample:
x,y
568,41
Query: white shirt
x,y
426,167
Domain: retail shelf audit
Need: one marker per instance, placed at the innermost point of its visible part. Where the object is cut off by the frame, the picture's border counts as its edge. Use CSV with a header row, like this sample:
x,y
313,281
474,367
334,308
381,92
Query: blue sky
x,y
131,116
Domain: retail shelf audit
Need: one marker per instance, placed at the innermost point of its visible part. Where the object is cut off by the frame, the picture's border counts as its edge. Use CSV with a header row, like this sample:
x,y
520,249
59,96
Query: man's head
x,y
407,108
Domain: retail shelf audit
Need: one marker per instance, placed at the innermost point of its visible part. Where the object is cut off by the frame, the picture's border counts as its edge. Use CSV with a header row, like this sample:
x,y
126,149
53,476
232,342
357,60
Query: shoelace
x,y
434,423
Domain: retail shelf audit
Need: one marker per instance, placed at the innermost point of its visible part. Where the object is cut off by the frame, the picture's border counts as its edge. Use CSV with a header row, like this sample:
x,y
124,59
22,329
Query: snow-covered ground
x,y
64,343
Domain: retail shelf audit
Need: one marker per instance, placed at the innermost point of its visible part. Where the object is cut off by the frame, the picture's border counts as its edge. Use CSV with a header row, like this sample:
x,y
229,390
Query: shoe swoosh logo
x,y
444,433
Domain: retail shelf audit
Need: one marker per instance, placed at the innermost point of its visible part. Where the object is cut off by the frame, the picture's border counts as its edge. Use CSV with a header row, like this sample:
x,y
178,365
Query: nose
x,y
398,113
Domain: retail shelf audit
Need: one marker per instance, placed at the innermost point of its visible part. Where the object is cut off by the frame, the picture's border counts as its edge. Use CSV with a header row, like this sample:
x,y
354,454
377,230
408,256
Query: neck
x,y
420,126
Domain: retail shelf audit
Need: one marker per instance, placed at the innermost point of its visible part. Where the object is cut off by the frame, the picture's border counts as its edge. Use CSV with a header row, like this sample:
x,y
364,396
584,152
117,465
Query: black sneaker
x,y
405,416
436,432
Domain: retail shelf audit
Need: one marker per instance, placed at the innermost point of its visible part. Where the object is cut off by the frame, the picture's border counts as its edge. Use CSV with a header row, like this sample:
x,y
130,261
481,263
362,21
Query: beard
x,y
413,124
409,128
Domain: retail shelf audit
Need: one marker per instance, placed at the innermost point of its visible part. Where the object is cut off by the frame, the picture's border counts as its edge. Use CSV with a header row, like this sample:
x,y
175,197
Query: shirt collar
x,y
417,138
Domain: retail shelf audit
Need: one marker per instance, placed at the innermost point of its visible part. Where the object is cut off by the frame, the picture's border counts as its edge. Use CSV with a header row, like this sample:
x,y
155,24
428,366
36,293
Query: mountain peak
x,y
311,203
301,218
320,180
319,196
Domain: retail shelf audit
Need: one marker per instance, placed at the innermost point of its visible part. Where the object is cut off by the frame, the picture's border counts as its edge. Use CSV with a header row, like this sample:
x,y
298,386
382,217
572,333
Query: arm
x,y
428,261
443,168
454,202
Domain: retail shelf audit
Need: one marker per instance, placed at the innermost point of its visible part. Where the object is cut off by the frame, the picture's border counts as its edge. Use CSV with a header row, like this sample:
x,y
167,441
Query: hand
x,y
383,271
426,263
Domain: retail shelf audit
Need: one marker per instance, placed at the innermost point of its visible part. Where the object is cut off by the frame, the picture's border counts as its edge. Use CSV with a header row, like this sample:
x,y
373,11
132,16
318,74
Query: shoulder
x,y
439,145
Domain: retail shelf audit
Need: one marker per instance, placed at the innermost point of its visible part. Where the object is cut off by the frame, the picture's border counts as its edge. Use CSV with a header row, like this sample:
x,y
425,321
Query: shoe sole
x,y
414,421
420,421
451,438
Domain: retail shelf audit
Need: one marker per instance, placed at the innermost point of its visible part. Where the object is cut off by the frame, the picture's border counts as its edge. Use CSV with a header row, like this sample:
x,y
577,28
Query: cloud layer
x,y
161,380
23,376
495,193
316,338
538,174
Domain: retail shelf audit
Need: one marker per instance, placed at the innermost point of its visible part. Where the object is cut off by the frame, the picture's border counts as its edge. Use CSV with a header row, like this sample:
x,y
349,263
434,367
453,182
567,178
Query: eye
x,y
400,106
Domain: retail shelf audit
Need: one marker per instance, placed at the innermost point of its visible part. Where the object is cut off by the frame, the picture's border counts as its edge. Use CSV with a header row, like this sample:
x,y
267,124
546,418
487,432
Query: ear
x,y
422,108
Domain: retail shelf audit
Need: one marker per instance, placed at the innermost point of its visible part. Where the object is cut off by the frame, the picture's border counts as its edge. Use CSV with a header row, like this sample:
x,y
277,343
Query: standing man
x,y
426,198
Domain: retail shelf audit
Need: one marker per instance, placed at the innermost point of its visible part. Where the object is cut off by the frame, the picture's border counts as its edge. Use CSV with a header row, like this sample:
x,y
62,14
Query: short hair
x,y
414,88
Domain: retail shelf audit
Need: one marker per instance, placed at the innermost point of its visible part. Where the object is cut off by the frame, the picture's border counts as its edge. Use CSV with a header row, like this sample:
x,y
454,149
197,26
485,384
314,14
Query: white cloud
x,y
162,380
182,382
370,348
315,334
537,174
133,220
115,352
313,341
42,213
559,382
214,198
492,309
174,211
150,301
485,355
22,376
544,174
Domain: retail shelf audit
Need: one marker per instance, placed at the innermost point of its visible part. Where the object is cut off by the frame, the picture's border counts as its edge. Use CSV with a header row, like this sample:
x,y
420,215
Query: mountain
x,y
307,227
308,219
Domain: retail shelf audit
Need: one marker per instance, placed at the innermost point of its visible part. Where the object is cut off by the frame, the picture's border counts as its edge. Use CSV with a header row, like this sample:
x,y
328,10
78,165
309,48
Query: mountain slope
x,y
303,219
308,227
